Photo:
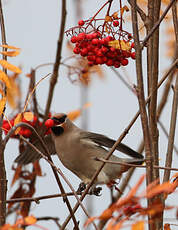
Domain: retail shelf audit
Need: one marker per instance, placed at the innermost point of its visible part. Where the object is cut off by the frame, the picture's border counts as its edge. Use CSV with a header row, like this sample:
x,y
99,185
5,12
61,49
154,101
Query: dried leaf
x,y
13,94
107,214
2,104
108,18
90,220
28,116
16,174
29,220
167,227
139,225
10,47
10,67
17,120
120,44
74,114
37,168
124,9
115,15
4,78
10,53
130,197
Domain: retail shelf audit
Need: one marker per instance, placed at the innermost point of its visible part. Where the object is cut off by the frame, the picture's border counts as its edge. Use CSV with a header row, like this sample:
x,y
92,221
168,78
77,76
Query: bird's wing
x,y
103,140
30,155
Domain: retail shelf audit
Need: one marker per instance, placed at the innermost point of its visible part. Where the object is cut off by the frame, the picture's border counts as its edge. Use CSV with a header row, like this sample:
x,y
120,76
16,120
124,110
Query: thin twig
x,y
134,165
54,78
156,25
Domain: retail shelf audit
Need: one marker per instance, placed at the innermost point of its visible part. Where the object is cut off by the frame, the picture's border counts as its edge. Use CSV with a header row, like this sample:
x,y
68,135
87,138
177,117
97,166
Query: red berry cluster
x,y
24,131
95,47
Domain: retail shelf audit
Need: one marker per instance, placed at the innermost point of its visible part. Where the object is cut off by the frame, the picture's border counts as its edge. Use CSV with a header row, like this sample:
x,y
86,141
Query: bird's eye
x,y
60,120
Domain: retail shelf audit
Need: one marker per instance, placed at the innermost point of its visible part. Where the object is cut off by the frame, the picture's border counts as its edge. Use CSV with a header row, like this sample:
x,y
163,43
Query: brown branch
x,y
55,219
54,78
140,11
37,199
3,180
172,131
156,25
134,165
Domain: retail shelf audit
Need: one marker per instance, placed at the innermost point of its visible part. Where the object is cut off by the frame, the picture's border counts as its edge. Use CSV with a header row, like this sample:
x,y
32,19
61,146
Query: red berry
x,y
99,60
109,62
95,41
94,35
90,63
49,123
6,126
133,45
104,49
117,64
132,55
91,58
84,52
74,39
81,36
89,36
115,23
76,50
104,59
124,62
99,53
81,23
27,133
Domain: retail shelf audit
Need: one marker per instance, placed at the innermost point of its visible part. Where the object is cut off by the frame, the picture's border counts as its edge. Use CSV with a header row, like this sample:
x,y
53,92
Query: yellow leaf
x,y
14,92
29,220
17,120
28,116
5,79
120,44
2,104
10,53
10,47
10,67
139,225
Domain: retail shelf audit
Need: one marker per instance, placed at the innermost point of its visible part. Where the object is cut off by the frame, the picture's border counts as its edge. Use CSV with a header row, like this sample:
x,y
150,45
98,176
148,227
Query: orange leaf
x,y
2,103
167,227
10,67
10,47
17,120
16,174
107,214
74,114
139,225
90,220
29,220
28,116
115,15
5,79
37,168
108,19
123,9
131,194
10,53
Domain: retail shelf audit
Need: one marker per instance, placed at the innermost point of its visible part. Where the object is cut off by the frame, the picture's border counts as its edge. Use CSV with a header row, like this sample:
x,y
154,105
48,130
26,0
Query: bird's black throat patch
x,y
57,130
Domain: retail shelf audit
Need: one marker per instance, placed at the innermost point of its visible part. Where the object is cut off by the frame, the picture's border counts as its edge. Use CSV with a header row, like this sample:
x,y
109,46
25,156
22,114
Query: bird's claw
x,y
95,191
81,187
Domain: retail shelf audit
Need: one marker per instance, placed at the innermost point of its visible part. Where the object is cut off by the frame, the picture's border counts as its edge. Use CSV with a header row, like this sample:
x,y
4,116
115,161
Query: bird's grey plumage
x,y
77,149
30,155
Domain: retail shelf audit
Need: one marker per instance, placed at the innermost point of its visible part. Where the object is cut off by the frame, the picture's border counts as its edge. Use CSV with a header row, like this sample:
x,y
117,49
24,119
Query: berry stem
x,y
109,1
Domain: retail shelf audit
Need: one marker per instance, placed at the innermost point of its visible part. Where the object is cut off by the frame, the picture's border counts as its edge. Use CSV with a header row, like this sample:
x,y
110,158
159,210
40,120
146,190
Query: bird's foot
x,y
81,187
95,190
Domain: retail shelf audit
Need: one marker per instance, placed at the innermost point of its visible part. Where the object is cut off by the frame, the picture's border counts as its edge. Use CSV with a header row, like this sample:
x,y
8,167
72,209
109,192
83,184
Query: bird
x,y
77,149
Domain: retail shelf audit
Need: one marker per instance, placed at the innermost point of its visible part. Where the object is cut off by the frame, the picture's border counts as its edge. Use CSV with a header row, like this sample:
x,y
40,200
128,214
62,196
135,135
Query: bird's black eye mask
x,y
58,121
58,130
